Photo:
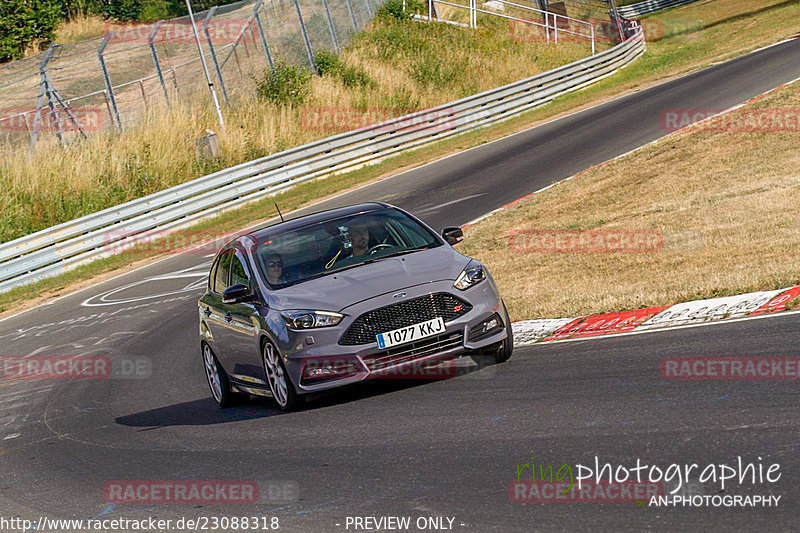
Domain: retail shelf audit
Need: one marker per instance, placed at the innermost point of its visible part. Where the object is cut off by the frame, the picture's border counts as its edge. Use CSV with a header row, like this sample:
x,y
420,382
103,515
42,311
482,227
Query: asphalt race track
x,y
446,448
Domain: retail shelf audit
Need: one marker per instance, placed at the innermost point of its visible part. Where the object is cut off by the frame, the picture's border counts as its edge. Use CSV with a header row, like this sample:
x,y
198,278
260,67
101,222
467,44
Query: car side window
x,y
239,273
212,275
222,271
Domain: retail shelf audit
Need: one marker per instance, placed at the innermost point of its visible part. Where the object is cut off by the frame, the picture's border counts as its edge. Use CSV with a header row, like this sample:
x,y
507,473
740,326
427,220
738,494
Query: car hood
x,y
335,292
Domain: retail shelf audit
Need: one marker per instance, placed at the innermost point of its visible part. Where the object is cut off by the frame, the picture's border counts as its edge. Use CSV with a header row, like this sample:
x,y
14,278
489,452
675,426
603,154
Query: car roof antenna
x,y
279,211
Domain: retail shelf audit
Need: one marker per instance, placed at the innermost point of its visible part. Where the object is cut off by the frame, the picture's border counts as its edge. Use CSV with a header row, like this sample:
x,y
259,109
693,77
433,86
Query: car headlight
x,y
472,274
306,319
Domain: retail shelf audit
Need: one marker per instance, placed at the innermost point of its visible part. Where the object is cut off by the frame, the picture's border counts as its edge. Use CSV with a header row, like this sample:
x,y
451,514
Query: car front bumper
x,y
355,363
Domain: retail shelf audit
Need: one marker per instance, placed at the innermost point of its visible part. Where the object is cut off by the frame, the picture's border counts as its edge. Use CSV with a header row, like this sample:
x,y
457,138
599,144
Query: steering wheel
x,y
378,247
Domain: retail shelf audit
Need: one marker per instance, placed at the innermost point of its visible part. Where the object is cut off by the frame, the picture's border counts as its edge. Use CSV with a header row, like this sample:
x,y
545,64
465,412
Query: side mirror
x,y
236,294
453,236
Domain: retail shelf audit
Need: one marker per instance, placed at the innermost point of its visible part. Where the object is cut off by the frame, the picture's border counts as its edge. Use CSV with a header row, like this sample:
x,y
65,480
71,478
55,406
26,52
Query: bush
x,y
393,9
25,22
326,62
285,85
329,64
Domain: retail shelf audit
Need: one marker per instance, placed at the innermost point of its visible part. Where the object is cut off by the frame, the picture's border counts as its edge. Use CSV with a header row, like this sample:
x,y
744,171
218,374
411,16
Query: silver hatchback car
x,y
342,296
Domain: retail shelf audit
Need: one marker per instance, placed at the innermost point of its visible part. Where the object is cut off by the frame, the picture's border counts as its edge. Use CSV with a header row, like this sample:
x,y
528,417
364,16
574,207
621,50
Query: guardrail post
x,y
261,32
330,26
214,54
352,14
305,35
107,80
152,45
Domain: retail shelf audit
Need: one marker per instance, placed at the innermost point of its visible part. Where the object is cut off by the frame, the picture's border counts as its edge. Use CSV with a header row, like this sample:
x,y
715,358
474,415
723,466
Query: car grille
x,y
366,326
414,350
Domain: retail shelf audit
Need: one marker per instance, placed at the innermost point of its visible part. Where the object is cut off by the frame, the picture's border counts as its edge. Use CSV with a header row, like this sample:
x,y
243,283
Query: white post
x,y
592,28
555,25
205,67
430,10
547,25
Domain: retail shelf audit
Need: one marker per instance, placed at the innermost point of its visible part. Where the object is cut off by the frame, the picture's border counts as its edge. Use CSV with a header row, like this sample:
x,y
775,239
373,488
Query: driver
x,y
275,269
359,237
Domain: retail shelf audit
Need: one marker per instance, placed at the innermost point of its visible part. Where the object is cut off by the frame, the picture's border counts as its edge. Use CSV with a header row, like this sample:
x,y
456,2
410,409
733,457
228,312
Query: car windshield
x,y
334,245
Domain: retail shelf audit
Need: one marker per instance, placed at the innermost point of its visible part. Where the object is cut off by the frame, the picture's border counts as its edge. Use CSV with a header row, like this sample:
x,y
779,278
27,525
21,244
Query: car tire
x,y
499,352
217,379
280,384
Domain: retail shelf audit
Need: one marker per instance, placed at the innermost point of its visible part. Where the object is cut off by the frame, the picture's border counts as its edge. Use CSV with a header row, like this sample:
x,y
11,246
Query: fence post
x,y
352,14
430,10
330,25
205,67
261,31
305,36
37,119
107,80
152,45
214,54
555,25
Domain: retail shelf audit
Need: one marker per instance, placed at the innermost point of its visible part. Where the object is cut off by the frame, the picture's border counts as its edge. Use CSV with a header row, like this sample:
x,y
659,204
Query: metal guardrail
x,y
60,248
649,6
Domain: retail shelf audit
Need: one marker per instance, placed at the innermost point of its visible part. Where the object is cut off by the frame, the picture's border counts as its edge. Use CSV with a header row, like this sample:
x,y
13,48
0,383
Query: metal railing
x,y
553,23
58,249
649,6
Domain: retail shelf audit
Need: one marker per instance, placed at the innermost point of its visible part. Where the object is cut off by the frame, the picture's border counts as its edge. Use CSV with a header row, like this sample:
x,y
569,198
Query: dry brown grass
x,y
79,28
725,202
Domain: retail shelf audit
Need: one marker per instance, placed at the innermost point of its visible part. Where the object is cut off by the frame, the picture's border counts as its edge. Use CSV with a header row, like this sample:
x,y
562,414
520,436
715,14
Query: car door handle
x,y
228,317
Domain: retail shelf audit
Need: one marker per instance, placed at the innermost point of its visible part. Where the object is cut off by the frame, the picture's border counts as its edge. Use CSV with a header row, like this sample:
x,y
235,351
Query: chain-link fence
x,y
110,82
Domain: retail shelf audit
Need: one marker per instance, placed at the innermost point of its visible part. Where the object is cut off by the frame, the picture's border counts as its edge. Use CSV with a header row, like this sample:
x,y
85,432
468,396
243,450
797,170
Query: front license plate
x,y
411,333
